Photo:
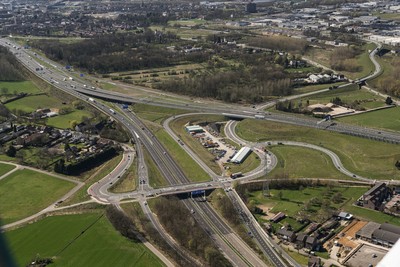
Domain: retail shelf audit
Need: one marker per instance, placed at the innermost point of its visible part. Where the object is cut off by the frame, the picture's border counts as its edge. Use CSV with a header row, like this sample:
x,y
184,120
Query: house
x,y
375,197
311,242
301,240
286,234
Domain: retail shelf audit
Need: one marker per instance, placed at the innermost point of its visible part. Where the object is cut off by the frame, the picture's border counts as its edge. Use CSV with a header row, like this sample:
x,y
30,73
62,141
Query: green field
x,y
25,192
20,87
365,157
154,113
78,240
380,119
32,103
64,121
292,202
4,168
348,95
300,162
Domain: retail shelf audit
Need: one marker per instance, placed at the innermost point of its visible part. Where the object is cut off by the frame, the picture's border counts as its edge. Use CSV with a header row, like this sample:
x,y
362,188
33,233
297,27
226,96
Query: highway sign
x,y
198,192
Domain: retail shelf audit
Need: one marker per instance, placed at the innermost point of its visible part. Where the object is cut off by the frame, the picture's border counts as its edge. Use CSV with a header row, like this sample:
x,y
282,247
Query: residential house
x,y
311,242
376,196
286,234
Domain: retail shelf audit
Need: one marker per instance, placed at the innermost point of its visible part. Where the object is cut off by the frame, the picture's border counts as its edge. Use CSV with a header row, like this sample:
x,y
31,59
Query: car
x,y
354,176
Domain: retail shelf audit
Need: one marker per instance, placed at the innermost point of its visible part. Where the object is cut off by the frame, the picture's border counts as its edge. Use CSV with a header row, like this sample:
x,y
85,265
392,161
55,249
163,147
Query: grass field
x,y
178,127
154,113
312,88
20,87
25,192
78,240
365,157
300,162
380,119
4,168
64,121
292,200
32,103
348,95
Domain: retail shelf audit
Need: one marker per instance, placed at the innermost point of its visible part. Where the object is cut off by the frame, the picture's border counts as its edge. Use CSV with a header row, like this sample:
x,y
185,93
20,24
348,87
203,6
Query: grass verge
x,y
300,162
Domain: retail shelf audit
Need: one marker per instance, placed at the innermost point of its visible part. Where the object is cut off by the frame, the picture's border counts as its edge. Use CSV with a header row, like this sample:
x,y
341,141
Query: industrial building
x,y
241,155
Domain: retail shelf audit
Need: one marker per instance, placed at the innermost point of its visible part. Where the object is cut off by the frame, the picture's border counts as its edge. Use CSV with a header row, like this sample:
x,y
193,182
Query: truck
x,y
236,175
112,111
71,79
260,117
91,99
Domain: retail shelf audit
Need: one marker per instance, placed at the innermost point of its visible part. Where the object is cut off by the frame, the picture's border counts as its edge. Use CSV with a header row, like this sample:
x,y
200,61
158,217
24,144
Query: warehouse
x,y
241,155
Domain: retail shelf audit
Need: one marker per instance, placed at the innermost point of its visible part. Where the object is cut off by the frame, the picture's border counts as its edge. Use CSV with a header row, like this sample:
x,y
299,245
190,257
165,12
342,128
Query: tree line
x,y
9,68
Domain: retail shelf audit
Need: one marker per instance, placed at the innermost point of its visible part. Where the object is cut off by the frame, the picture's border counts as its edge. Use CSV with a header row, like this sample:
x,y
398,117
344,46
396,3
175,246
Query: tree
x,y
389,101
72,124
397,164
337,197
11,151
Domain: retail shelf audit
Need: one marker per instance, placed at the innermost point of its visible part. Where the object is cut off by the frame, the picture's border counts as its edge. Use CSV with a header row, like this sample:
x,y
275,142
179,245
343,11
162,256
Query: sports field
x,y
78,240
25,192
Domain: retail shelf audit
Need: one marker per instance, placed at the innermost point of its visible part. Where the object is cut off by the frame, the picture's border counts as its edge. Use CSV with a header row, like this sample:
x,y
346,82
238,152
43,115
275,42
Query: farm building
x,y
241,155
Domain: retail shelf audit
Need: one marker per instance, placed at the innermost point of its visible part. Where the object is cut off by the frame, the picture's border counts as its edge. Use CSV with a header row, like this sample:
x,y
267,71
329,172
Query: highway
x,y
56,74
234,248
